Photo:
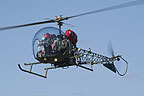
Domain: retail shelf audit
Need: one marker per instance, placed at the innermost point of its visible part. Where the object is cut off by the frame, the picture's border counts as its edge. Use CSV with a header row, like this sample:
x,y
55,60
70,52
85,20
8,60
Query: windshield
x,y
46,42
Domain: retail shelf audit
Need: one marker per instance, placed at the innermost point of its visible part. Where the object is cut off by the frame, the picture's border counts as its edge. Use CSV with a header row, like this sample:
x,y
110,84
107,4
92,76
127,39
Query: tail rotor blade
x,y
120,65
110,49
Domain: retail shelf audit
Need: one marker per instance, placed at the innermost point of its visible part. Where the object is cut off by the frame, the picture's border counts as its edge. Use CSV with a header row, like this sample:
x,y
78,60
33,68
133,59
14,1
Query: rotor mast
x,y
60,25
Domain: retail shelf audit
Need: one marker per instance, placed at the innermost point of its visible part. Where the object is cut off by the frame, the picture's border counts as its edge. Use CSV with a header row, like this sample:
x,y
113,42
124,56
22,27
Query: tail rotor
x,y
118,64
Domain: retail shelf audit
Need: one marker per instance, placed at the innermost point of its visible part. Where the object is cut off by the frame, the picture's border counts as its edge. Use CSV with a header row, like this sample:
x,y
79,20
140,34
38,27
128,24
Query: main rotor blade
x,y
133,3
123,5
24,25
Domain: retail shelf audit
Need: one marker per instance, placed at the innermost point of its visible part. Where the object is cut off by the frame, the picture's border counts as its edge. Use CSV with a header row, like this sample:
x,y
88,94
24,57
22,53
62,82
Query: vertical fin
x,y
110,67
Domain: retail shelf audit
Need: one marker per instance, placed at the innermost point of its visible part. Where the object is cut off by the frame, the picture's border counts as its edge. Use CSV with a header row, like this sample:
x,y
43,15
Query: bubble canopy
x,y
44,40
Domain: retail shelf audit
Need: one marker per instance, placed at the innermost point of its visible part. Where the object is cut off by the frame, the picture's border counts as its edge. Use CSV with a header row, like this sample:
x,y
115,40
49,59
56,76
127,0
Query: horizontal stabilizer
x,y
111,67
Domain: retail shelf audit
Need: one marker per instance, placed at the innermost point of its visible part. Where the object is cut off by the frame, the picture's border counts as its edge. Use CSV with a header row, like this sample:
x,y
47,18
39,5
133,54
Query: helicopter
x,y
53,46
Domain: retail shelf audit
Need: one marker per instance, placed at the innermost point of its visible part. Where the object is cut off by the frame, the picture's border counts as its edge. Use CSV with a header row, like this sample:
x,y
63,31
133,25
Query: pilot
x,y
60,44
45,46
56,45
47,35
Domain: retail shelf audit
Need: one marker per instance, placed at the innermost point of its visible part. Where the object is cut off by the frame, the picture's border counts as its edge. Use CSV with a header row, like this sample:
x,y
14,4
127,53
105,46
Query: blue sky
x,y
124,27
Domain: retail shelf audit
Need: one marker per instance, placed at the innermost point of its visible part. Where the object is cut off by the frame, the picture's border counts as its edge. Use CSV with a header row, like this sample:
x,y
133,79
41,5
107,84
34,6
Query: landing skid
x,y
30,71
46,69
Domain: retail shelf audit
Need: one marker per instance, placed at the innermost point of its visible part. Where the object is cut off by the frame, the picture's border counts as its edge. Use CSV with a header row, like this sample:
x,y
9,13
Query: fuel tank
x,y
72,36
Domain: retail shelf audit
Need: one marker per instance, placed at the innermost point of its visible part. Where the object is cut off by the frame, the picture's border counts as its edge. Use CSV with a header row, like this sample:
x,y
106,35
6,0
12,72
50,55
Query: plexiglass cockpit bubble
x,y
46,42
